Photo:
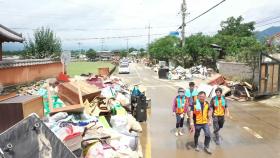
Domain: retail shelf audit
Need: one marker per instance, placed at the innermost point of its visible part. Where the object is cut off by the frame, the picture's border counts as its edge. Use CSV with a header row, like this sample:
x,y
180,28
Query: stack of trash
x,y
180,73
234,91
96,136
90,115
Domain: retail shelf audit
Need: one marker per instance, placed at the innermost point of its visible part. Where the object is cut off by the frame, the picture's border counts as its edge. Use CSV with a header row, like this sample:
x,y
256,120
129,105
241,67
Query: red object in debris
x,y
63,77
96,81
218,80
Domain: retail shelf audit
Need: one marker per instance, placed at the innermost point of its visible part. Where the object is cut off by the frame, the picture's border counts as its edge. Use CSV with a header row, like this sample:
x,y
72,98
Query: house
x,y
105,55
8,35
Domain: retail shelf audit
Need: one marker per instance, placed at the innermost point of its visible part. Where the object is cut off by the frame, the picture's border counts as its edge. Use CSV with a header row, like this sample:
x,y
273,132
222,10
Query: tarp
x,y
31,138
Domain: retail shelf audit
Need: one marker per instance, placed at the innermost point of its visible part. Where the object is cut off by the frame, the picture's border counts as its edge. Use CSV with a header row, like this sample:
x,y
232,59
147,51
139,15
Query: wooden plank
x,y
70,108
263,80
247,92
248,85
276,78
270,79
8,96
34,106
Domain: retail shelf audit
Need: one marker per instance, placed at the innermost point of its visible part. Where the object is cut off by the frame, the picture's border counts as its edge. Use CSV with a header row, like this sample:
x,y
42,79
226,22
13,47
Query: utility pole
x,y
102,44
183,10
149,35
79,43
127,45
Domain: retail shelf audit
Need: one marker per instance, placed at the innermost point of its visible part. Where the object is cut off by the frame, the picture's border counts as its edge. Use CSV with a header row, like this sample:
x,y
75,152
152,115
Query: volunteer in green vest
x,y
191,94
200,119
219,106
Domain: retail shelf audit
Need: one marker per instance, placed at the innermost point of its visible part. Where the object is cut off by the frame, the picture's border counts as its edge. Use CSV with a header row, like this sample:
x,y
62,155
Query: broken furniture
x,y
69,93
14,109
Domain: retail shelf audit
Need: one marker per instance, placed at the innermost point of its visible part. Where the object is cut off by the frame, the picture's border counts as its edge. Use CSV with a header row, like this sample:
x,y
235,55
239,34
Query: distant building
x,y
135,53
7,35
105,55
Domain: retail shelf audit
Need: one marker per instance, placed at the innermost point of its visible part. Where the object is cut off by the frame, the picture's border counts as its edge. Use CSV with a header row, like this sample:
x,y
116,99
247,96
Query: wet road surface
x,y
252,130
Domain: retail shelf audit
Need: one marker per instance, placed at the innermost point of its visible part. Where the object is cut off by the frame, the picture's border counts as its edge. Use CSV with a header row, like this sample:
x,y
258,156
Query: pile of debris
x,y
237,91
241,91
89,114
179,73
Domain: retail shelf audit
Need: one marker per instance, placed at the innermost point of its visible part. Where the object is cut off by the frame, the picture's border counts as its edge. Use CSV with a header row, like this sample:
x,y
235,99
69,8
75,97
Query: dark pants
x,y
218,123
207,133
179,121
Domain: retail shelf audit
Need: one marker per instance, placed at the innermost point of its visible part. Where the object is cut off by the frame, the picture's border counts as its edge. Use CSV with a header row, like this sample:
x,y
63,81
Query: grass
x,y
78,68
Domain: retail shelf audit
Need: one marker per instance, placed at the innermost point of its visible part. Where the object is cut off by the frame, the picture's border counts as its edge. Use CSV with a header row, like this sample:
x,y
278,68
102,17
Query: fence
x,y
25,71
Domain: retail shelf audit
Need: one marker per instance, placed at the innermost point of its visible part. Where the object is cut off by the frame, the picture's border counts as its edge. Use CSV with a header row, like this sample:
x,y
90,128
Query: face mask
x,y
181,93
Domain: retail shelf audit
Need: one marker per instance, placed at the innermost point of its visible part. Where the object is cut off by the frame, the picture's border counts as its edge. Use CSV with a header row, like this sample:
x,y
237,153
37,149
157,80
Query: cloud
x,y
78,19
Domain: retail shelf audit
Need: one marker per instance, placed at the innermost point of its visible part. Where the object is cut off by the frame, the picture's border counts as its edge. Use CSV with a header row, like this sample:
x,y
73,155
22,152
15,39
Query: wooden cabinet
x,y
14,109
69,94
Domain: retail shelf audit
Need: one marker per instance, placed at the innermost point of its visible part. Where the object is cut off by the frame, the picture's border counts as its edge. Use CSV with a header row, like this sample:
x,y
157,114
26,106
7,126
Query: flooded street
x,y
252,130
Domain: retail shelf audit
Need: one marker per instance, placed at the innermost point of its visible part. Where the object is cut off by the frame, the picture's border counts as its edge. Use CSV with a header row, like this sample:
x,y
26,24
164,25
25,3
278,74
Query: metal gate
x,y
269,76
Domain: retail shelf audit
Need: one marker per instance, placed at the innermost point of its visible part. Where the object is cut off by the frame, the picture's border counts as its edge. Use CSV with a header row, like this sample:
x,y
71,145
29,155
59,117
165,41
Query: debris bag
x,y
124,99
31,138
108,92
130,139
119,123
133,124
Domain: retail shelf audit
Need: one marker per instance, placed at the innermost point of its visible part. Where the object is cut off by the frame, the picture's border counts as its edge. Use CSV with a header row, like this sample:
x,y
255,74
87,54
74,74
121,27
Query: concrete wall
x,y
25,74
235,70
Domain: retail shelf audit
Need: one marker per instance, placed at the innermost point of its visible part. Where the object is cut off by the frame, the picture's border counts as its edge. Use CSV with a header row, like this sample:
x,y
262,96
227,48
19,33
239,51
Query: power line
x,y
113,37
268,24
98,29
270,20
267,19
206,12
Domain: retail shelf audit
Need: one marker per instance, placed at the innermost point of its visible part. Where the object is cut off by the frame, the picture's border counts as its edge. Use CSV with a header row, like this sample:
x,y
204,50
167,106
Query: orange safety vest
x,y
219,110
201,116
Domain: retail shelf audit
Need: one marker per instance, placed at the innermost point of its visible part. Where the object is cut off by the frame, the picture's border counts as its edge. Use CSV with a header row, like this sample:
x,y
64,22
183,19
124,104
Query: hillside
x,y
261,35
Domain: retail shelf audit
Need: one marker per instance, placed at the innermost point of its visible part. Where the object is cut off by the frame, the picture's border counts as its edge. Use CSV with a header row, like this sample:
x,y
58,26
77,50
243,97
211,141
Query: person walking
x,y
191,94
179,108
200,119
219,106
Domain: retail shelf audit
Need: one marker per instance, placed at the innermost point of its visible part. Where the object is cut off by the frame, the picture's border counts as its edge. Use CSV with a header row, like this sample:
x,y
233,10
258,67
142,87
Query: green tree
x,y
142,50
236,27
232,34
198,47
123,53
132,49
250,51
44,45
165,48
91,54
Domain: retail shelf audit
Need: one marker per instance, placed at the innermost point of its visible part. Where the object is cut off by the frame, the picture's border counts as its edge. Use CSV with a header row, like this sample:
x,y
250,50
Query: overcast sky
x,y
81,21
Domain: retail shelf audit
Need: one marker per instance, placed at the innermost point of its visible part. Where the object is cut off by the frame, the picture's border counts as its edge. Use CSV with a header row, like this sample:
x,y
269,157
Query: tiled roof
x,y
19,63
7,35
